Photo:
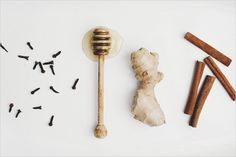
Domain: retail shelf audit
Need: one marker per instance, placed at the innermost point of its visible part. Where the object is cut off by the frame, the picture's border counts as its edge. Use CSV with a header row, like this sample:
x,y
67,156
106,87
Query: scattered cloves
x,y
37,107
51,87
11,106
41,67
3,47
56,54
18,112
24,57
51,121
35,90
52,69
75,83
30,46
47,63
35,65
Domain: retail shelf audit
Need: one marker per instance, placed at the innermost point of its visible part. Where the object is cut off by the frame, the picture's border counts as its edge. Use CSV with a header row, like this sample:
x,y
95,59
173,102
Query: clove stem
x,y
3,47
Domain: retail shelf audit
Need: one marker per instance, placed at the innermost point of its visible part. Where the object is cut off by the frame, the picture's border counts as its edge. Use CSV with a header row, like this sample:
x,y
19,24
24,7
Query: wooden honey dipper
x,y
101,43
98,44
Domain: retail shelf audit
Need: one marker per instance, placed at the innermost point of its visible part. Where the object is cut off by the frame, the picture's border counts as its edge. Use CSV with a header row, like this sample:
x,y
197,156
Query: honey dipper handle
x,y
100,88
100,130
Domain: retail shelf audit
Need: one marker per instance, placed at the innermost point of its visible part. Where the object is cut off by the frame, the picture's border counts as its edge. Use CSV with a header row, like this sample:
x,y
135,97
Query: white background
x,y
157,25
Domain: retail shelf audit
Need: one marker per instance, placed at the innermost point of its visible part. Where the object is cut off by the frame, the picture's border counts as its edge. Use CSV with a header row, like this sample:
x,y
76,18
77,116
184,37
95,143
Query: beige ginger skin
x,y
145,106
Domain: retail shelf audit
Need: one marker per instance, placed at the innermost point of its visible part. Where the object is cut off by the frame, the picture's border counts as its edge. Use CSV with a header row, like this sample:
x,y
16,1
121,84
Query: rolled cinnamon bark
x,y
199,68
208,49
221,77
205,90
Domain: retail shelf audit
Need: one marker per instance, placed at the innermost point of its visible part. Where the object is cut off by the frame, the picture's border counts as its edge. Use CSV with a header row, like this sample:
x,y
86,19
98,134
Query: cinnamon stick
x,y
199,68
205,90
208,49
221,77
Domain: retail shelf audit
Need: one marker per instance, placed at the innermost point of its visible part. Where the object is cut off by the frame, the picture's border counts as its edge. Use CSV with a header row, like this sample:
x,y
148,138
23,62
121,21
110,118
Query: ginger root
x,y
145,106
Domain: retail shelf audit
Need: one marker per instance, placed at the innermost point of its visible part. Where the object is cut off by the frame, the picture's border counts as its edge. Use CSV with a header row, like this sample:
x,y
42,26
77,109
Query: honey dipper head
x,y
101,41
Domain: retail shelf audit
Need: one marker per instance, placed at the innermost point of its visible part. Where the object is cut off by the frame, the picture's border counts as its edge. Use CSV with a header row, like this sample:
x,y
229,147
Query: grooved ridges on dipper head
x,y
101,41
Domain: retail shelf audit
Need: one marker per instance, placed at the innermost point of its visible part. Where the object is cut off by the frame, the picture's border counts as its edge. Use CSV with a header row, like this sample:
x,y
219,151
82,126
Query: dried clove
x,y
18,112
56,54
47,63
41,67
11,106
35,65
51,121
52,69
24,57
75,83
51,87
30,46
3,47
35,90
37,107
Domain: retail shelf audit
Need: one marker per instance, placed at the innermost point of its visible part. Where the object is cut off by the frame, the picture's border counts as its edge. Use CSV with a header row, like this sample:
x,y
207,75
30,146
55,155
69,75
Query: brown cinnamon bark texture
x,y
205,90
199,68
221,77
208,49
